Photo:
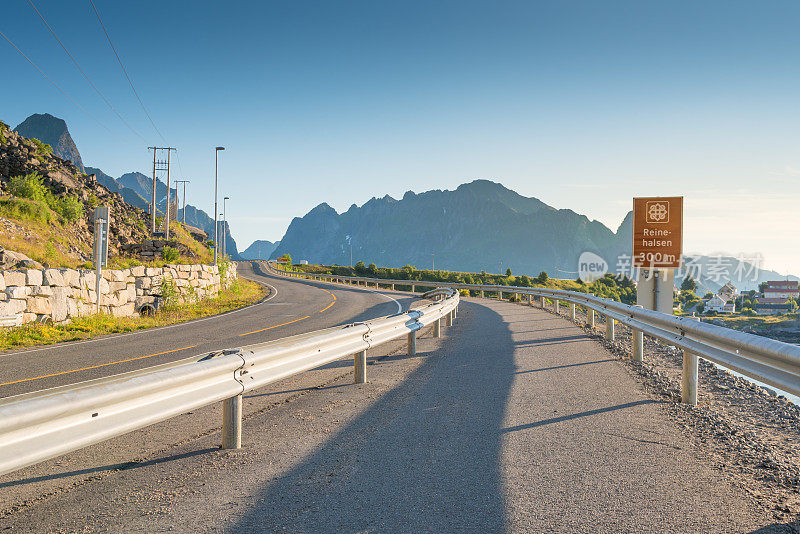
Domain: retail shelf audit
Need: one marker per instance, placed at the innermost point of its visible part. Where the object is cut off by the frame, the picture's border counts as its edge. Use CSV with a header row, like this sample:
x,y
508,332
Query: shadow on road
x,y
565,366
99,469
576,415
424,457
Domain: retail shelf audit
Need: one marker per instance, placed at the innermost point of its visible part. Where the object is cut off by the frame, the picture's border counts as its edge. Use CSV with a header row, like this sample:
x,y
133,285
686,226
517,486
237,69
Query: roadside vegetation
x,y
611,287
241,293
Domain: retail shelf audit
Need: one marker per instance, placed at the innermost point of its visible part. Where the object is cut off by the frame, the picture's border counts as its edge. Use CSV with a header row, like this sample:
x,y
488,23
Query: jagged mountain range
x,y
135,187
259,250
481,225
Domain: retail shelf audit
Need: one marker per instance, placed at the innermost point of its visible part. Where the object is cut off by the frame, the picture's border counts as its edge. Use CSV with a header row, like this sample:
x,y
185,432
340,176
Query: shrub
x,y
70,208
29,186
748,312
542,278
41,147
26,210
32,187
170,254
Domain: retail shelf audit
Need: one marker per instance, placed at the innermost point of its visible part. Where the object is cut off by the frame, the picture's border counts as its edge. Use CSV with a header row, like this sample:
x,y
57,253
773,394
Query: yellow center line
x,y
165,352
275,326
100,365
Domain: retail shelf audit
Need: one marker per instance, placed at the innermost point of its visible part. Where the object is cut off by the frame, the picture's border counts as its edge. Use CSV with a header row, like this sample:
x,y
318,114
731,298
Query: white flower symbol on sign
x,y
657,212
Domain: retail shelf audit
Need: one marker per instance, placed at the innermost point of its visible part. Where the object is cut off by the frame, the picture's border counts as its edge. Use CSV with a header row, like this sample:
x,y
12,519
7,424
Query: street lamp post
x,y
225,226
216,207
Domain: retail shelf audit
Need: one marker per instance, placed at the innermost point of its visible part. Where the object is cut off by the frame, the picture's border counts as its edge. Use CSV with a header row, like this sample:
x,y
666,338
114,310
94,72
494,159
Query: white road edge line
x,y
273,294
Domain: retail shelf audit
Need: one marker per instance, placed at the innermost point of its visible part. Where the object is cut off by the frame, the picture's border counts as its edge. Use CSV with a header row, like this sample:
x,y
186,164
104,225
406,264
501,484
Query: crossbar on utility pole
x,y
159,166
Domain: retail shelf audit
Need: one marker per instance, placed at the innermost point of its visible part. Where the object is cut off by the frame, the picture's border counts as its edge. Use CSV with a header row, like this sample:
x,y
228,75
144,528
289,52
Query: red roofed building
x,y
781,289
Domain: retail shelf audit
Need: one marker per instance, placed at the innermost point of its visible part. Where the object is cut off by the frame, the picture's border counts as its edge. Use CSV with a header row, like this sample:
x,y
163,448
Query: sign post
x,y
657,249
101,220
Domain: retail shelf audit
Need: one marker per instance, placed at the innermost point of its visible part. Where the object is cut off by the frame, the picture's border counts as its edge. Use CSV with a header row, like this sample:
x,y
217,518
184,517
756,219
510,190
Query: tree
x,y
372,269
689,284
360,267
508,272
542,278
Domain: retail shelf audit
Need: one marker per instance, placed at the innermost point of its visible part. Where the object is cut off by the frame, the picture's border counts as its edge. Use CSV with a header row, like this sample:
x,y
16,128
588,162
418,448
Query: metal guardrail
x,y
763,359
45,424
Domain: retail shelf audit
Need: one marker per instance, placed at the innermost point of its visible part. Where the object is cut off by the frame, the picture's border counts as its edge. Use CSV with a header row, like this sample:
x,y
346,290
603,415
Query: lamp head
x,y
220,148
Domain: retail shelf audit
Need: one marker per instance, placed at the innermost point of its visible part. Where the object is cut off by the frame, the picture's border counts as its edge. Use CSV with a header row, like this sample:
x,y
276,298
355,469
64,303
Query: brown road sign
x,y
657,232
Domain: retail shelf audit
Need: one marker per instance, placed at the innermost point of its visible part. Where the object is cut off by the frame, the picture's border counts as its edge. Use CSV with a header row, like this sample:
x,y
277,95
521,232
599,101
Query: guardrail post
x,y
591,318
556,306
437,328
412,343
392,287
360,367
689,378
413,288
455,312
572,310
481,293
449,319
638,345
530,300
609,328
232,423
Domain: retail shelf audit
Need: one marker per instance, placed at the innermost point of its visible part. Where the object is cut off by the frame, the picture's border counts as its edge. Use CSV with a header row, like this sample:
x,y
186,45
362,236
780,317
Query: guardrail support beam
x,y
609,328
412,343
638,345
689,379
437,328
360,367
232,423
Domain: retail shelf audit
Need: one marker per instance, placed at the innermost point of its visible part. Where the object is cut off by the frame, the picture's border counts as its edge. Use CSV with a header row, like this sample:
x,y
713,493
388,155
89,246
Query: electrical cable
x,y
84,73
130,82
60,90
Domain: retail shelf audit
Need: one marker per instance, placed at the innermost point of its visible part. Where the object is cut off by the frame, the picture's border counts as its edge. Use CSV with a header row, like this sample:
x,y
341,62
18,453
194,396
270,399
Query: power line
x,y
84,73
60,90
126,72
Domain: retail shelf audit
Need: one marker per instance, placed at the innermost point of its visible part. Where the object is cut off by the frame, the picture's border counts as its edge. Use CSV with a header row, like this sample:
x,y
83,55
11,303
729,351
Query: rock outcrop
x,y
54,132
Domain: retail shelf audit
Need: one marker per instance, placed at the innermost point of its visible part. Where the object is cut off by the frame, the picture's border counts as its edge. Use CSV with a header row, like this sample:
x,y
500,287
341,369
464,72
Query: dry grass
x,y
241,293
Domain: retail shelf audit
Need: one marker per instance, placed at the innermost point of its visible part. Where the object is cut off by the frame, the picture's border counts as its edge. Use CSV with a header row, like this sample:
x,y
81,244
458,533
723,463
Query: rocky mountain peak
x,y
54,132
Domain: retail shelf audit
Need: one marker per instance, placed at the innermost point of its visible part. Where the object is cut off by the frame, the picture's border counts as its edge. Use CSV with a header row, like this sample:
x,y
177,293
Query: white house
x,y
720,305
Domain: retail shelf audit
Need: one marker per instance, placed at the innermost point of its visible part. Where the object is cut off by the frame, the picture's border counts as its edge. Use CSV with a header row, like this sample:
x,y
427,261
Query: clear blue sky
x,y
581,104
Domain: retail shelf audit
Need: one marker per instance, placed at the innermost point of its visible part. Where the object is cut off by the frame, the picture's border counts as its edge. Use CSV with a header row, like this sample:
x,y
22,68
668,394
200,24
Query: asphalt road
x,y
514,421
292,307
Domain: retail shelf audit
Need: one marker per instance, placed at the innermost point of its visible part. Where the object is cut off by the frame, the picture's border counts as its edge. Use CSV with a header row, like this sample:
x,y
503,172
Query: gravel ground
x,y
748,432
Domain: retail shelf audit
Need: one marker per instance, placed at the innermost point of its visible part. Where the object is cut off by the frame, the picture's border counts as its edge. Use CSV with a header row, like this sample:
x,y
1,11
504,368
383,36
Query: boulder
x,y
40,291
52,277
60,304
33,277
17,292
14,278
39,305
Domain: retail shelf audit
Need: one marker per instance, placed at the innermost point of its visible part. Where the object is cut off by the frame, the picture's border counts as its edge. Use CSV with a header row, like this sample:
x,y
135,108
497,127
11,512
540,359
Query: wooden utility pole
x,y
160,165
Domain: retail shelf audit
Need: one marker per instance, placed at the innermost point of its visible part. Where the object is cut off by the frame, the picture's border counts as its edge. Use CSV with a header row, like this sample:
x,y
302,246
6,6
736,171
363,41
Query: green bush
x,y
41,147
25,210
70,208
170,254
31,186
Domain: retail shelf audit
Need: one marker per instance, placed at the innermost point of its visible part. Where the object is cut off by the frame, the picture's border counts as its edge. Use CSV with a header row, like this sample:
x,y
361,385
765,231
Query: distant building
x,y
781,289
303,262
728,292
720,305
772,306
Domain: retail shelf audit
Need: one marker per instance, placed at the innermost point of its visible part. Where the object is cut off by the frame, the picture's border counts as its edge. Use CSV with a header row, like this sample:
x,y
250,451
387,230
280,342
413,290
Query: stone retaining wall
x,y
59,294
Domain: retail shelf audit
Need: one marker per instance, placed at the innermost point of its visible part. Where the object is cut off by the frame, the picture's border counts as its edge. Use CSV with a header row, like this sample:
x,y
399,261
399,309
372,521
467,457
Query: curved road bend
x,y
292,307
